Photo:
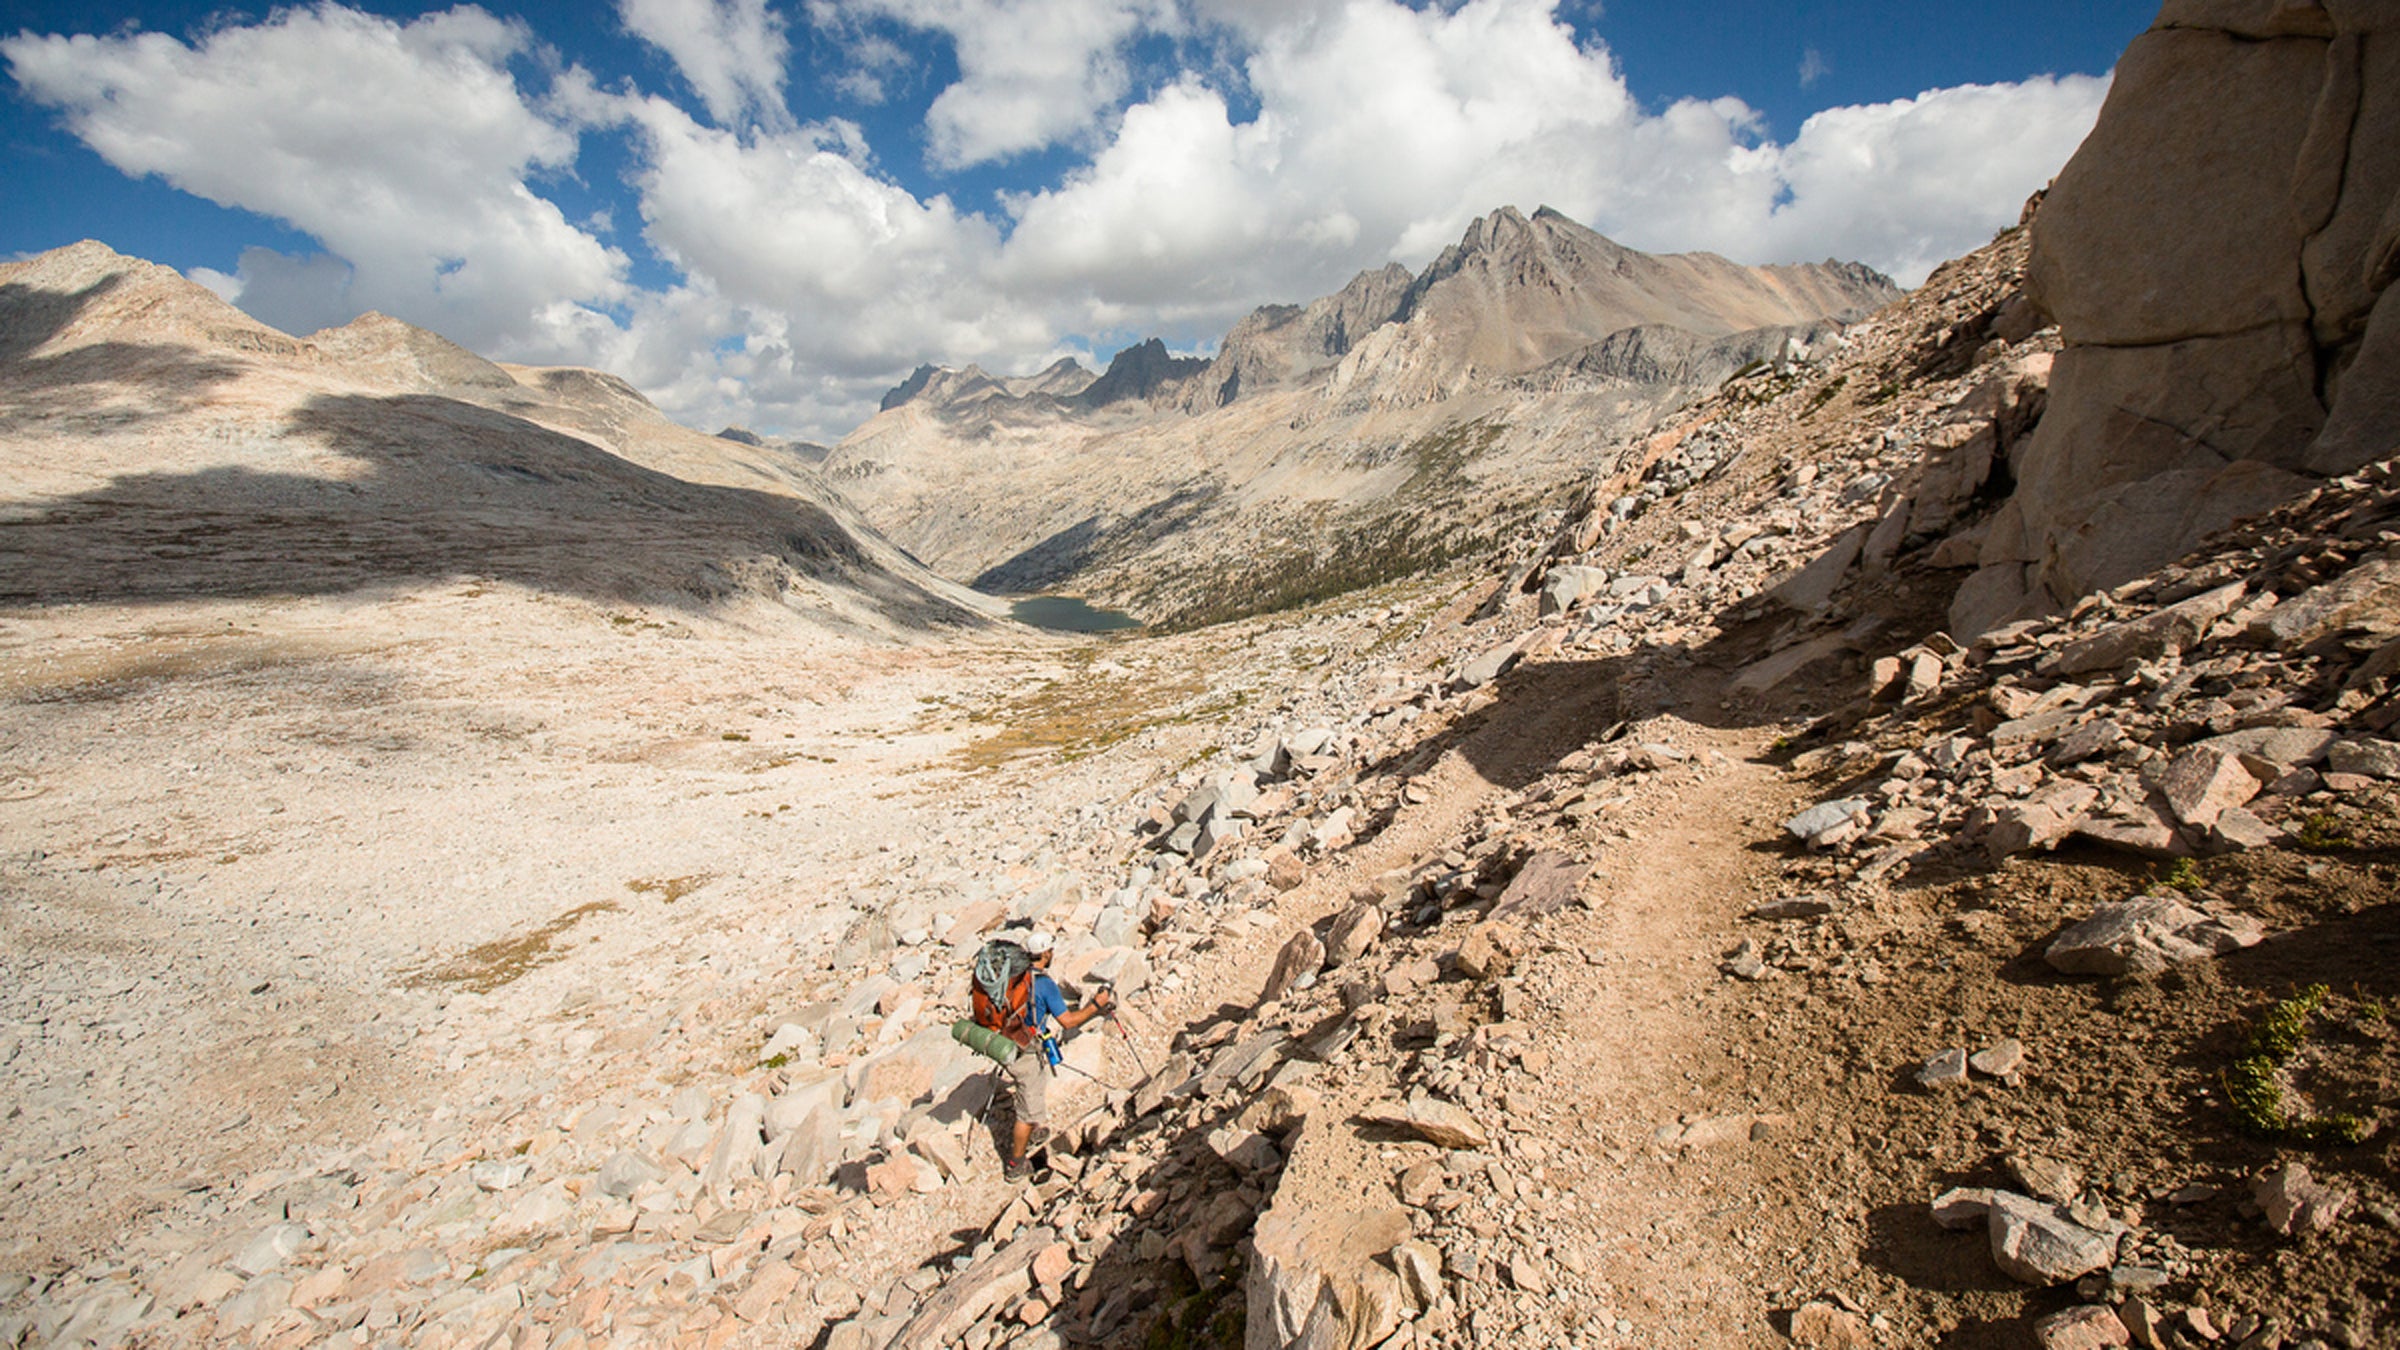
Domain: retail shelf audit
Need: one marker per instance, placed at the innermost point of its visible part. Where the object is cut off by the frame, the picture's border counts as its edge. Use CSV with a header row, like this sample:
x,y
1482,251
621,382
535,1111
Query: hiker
x,y
1029,1027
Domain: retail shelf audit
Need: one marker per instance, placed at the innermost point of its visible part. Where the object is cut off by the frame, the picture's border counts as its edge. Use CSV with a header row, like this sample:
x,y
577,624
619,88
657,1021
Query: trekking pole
x,y
1116,1004
1093,1076
983,1113
1131,1049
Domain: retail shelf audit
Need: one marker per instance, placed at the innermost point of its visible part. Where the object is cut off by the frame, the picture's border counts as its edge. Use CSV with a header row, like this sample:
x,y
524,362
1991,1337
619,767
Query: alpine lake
x,y
1069,614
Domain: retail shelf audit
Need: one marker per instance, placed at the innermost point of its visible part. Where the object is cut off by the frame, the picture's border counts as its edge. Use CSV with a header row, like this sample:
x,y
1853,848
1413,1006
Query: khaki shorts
x,y
1032,1075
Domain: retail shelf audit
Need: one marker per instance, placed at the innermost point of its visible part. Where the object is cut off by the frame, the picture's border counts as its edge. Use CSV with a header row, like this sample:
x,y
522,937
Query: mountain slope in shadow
x,y
161,445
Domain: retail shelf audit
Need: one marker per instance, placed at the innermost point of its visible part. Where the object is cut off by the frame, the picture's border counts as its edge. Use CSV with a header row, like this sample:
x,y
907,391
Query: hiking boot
x,y
1016,1169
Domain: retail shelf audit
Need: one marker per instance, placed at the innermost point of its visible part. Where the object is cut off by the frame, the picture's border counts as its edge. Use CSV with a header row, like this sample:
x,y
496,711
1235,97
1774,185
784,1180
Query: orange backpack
x,y
1003,990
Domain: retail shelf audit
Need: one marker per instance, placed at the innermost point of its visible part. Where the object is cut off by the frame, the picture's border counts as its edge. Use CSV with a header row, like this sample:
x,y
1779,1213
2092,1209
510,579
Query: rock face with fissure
x,y
976,1293
1316,1279
2219,258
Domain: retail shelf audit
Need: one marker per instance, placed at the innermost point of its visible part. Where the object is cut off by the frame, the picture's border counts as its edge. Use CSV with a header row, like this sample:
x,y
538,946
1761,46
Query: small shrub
x,y
2322,832
733,736
2281,1029
1825,395
2254,1083
2184,875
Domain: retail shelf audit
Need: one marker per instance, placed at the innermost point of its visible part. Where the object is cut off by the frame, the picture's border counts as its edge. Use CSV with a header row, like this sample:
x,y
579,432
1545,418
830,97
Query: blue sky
x,y
767,211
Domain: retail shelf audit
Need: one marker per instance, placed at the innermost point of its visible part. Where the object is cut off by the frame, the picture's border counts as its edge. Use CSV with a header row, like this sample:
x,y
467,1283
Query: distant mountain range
x,y
1375,421
807,452
158,444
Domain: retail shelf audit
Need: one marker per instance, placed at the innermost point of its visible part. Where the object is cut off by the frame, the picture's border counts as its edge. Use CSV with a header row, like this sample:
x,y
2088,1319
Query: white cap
x,y
1037,942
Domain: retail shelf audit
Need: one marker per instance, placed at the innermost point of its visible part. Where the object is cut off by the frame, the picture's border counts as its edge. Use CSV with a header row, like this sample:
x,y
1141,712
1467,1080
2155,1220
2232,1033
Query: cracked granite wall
x,y
2218,257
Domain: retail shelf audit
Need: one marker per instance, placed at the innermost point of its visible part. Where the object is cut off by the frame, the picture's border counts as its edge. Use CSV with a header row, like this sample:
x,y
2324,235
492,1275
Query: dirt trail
x,y
1646,1051
1619,992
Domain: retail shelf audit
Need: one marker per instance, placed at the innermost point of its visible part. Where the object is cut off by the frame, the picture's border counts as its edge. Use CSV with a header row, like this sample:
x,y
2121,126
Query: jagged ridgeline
x,y
1397,425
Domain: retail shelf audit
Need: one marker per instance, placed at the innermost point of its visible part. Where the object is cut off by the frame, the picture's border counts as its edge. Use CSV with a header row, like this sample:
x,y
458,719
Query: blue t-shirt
x,y
1048,1004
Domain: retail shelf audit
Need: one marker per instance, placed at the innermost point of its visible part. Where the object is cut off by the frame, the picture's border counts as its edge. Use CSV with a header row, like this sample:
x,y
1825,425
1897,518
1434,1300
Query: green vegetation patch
x,y
2256,1084
1369,556
1437,516
2322,832
1440,460
1825,395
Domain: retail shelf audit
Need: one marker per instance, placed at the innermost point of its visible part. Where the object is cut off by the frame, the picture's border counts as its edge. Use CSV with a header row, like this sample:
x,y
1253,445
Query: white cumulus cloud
x,y
731,52
1032,73
1378,132
1382,130
794,225
1910,184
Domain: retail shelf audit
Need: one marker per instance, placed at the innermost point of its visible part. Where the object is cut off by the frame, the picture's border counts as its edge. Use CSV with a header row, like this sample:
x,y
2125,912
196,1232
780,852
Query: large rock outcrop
x,y
2219,258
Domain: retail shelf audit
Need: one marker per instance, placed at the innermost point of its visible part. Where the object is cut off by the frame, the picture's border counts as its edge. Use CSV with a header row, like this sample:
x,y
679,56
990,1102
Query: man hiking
x,y
1030,1010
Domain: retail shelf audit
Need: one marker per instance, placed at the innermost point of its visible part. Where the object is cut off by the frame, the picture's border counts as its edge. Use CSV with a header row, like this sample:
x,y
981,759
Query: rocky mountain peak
x,y
1515,294
88,292
1858,274
1508,243
941,385
1275,346
1498,229
1065,378
952,391
808,452
916,383
1138,372
1520,308
397,352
